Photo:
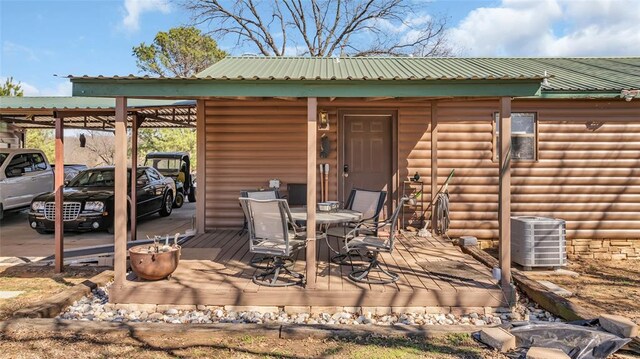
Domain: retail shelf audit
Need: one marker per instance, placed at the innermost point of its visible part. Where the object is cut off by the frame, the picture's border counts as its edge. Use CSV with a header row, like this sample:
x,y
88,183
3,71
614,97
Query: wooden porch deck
x,y
214,270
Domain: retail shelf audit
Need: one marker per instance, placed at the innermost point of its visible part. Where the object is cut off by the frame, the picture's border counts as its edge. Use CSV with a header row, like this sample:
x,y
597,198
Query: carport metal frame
x,y
23,116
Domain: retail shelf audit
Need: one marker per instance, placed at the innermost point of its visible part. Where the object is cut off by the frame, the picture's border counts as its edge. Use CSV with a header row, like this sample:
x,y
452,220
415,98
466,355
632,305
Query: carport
x,y
89,113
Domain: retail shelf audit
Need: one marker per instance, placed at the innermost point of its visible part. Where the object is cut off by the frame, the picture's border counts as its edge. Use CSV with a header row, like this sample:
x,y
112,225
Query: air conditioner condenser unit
x,y
538,242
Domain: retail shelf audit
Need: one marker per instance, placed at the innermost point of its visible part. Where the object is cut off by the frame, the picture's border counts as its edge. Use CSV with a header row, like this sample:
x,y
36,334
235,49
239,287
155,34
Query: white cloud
x,y
550,28
135,8
60,89
25,52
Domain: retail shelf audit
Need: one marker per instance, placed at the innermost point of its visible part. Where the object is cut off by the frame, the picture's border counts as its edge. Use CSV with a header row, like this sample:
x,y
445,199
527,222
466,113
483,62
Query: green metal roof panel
x,y
13,102
357,68
564,74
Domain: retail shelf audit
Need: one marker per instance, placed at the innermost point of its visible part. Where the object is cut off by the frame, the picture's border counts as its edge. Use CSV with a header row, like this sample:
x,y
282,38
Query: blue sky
x,y
43,38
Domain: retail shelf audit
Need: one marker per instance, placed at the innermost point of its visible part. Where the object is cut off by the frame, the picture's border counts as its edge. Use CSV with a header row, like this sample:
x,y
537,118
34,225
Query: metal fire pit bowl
x,y
153,266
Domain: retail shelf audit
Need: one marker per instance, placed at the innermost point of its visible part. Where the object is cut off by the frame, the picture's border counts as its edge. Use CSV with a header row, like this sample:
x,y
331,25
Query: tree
x,y
9,88
168,140
42,139
181,51
325,27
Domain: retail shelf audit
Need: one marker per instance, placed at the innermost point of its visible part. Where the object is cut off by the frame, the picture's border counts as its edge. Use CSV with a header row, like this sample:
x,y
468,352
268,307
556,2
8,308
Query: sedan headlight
x,y
37,206
95,206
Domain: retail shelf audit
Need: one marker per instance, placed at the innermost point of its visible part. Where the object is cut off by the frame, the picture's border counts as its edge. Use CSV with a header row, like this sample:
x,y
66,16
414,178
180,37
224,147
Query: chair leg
x,y
347,258
266,262
362,275
273,276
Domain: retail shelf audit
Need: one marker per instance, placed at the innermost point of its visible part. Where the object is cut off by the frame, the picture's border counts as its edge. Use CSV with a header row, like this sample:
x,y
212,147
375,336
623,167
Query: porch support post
x,y
504,216
120,195
312,116
200,166
59,200
137,121
434,156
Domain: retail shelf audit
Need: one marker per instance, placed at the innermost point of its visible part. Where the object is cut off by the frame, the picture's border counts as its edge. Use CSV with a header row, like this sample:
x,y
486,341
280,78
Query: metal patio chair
x,y
271,193
273,233
262,262
370,204
357,241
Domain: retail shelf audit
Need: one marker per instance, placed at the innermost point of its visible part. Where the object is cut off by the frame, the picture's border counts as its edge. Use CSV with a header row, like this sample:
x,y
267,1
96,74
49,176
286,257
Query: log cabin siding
x,y
585,173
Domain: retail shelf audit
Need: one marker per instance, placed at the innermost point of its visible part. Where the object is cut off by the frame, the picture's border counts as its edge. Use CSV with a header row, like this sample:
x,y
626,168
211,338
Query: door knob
x,y
345,171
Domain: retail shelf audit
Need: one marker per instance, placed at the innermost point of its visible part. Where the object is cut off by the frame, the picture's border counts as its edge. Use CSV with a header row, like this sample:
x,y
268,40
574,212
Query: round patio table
x,y
330,217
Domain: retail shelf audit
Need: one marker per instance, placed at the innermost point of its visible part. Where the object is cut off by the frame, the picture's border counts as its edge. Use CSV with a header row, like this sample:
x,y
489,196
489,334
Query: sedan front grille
x,y
70,211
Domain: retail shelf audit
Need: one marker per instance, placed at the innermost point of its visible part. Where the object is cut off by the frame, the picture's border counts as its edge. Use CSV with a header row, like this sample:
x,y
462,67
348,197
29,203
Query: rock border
x,y
54,305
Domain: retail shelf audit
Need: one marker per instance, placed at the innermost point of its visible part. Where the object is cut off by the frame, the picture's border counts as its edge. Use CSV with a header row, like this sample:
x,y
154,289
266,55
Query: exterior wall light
x,y
323,123
628,95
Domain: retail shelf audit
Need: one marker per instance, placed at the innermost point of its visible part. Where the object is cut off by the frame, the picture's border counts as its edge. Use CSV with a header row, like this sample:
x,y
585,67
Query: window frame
x,y
37,166
24,171
535,135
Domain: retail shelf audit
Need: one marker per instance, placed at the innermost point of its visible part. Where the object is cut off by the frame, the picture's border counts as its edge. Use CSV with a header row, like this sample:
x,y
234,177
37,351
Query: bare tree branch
x,y
326,27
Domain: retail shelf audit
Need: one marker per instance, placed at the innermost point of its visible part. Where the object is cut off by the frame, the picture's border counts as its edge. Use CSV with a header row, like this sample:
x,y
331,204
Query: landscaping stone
x,y
498,338
556,288
546,353
619,325
95,307
8,294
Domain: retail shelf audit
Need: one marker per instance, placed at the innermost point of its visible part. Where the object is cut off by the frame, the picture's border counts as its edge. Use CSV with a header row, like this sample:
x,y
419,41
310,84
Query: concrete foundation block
x,y
498,338
325,309
296,309
437,310
619,325
467,241
352,310
251,308
466,310
546,353
406,310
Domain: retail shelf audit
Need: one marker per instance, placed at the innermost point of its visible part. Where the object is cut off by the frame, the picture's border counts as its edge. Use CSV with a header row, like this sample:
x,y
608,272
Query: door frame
x,y
393,175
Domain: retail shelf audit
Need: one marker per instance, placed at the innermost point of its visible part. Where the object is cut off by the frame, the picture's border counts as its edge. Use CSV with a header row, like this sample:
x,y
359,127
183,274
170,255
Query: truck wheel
x,y
1,212
192,194
179,201
167,204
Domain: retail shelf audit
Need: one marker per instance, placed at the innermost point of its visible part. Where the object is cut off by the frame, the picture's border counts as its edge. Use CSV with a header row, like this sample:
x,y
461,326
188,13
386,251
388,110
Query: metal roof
x,y
577,77
93,112
361,68
564,74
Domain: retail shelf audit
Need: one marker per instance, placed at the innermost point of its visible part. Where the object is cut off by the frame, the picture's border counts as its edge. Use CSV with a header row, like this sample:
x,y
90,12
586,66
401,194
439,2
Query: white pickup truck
x,y
24,174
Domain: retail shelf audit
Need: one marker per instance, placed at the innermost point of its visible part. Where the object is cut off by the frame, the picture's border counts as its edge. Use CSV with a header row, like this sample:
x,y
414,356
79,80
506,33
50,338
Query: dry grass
x,y
38,283
26,345
603,286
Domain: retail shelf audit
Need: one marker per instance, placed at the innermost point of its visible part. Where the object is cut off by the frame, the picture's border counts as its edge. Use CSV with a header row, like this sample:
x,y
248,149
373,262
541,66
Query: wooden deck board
x,y
226,279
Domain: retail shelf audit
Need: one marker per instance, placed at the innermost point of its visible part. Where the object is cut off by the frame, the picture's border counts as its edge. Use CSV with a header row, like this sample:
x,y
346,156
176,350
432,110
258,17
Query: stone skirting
x,y
591,248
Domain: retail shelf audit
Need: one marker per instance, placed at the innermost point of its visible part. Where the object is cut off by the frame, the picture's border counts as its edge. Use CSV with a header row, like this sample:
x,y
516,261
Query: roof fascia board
x,y
150,88
580,95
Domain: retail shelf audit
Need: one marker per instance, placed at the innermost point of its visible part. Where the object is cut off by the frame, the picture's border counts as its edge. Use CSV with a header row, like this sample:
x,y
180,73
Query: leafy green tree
x,y
35,138
10,88
167,140
42,139
181,51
